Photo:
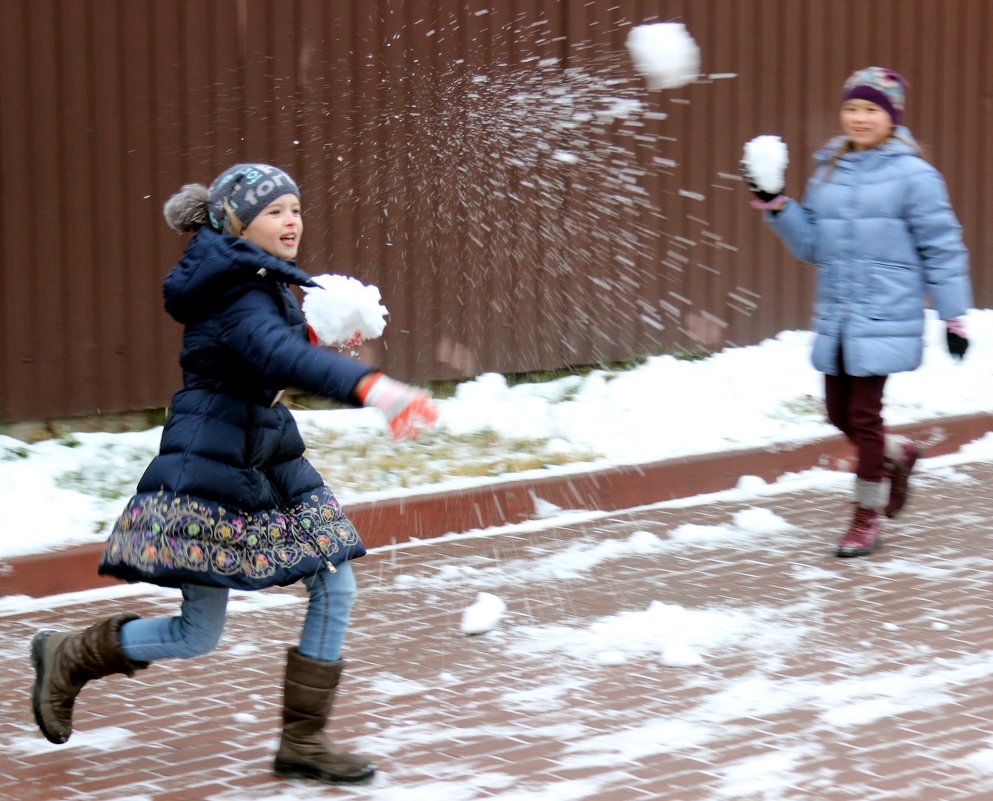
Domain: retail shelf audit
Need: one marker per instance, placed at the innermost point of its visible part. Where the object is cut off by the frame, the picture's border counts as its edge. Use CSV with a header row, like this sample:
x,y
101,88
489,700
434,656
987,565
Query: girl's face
x,y
865,123
278,227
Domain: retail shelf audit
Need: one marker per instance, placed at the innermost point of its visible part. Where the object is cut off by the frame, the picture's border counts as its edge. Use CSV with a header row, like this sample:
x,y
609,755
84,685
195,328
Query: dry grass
x,y
353,462
365,464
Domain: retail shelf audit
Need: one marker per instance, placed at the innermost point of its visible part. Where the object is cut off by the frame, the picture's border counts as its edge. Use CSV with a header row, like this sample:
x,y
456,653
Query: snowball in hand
x,y
664,54
343,311
765,161
483,615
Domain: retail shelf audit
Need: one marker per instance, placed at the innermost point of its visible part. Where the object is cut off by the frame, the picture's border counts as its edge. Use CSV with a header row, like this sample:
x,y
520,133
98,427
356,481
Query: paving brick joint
x,y
836,679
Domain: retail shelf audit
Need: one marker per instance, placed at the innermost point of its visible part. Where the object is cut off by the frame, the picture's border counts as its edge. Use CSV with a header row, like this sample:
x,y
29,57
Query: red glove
x,y
408,410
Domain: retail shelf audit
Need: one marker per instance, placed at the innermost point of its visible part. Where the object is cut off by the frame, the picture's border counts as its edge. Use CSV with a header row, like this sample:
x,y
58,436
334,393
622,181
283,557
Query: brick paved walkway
x,y
821,678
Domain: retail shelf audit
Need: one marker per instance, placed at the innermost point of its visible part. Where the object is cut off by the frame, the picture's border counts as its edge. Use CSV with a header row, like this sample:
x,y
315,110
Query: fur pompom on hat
x,y
187,209
878,85
239,193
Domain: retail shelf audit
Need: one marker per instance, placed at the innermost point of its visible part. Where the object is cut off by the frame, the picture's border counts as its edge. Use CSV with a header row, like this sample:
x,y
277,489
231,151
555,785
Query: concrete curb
x,y
428,515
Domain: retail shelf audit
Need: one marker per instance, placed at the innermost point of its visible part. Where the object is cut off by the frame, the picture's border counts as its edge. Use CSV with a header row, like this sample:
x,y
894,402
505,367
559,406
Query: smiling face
x,y
865,123
277,229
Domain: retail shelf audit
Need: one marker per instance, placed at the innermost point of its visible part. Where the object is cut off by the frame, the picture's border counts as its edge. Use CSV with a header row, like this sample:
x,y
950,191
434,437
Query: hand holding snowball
x,y
763,166
342,312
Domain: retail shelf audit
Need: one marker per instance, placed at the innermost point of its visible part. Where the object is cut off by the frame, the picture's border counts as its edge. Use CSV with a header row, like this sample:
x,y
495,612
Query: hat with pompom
x,y
239,193
878,85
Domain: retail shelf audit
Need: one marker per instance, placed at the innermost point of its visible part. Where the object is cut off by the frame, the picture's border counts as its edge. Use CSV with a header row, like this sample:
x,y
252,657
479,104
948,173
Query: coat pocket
x,y
893,291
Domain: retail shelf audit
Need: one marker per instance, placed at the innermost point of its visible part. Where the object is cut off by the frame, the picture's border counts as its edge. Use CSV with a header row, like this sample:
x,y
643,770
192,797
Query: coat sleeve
x,y
254,329
937,236
796,228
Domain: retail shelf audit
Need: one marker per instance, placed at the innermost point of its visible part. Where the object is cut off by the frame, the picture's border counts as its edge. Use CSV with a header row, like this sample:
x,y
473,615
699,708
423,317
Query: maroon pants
x,y
855,406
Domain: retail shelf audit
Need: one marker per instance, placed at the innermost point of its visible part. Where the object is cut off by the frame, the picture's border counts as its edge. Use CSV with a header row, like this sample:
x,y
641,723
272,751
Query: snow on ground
x,y
66,491
683,639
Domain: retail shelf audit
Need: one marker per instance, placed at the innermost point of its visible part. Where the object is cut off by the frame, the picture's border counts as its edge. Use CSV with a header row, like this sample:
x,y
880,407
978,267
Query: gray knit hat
x,y
239,193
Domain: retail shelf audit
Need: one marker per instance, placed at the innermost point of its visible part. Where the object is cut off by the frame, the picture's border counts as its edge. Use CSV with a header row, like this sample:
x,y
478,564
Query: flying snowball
x,y
765,159
342,311
664,54
483,615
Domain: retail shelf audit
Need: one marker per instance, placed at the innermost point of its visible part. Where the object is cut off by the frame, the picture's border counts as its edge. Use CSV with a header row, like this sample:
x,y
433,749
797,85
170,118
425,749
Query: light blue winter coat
x,y
881,230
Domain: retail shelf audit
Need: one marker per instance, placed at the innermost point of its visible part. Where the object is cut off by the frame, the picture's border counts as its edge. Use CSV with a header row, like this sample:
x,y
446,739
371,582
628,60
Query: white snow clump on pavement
x,y
483,615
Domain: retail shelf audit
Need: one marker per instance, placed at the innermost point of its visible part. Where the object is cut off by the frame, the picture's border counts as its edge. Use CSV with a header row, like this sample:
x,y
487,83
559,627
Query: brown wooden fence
x,y
495,167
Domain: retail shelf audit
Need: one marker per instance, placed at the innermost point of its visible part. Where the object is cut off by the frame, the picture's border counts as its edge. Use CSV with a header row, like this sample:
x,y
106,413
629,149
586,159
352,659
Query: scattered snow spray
x,y
664,54
550,183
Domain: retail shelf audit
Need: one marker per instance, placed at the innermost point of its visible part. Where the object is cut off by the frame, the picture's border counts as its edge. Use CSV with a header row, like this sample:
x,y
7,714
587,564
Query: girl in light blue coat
x,y
877,223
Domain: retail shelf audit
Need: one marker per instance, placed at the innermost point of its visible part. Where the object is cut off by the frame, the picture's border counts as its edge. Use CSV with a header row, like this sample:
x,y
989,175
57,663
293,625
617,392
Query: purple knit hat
x,y
878,85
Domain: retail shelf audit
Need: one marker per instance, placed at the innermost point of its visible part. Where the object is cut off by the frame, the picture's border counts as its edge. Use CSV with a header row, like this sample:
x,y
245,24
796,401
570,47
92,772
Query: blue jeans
x,y
198,628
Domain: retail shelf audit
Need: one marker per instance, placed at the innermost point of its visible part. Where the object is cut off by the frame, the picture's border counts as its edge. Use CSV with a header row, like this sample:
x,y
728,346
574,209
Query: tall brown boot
x,y
65,661
304,753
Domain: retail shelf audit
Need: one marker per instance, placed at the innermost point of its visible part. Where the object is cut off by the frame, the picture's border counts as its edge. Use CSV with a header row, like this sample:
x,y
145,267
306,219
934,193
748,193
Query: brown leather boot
x,y
304,753
65,661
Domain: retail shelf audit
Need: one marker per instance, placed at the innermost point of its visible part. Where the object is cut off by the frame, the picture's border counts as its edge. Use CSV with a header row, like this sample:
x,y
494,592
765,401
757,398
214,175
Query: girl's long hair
x,y
846,147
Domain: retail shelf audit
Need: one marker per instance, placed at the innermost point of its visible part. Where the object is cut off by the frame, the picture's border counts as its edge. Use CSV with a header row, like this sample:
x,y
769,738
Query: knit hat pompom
x,y
187,209
239,193
878,85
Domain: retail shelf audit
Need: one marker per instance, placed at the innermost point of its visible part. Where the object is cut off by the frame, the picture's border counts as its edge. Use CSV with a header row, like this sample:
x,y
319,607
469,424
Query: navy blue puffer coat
x,y
879,226
230,500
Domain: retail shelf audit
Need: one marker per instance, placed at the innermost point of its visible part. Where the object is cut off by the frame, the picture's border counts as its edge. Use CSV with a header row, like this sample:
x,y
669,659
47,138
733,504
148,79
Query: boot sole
x,y
38,662
847,553
289,770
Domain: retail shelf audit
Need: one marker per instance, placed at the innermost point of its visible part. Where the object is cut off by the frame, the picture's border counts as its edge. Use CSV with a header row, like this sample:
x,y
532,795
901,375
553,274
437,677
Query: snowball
x,y
678,654
765,161
343,311
664,54
483,615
